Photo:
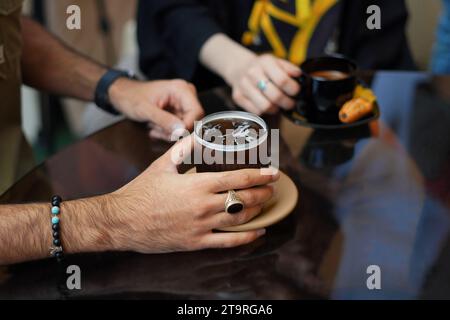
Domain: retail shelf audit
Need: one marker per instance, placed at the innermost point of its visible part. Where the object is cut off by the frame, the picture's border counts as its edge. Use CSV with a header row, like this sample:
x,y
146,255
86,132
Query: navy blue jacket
x,y
172,32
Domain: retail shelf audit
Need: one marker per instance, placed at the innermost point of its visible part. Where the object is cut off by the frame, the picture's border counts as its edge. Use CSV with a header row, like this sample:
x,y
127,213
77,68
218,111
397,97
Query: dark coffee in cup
x,y
327,84
330,75
230,141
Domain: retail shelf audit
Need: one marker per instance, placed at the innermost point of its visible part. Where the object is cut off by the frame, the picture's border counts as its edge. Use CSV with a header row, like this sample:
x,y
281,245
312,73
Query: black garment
x,y
172,32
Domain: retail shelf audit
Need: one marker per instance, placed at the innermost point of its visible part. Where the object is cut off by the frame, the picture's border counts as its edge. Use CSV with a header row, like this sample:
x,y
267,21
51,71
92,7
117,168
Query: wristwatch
x,y
101,92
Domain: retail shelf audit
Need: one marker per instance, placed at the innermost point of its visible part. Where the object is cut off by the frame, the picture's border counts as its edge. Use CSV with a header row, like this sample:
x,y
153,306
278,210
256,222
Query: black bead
x,y
56,234
55,227
59,255
57,242
56,203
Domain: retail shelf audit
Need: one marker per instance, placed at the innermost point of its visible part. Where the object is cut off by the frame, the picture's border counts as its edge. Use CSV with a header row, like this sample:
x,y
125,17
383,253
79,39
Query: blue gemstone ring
x,y
262,85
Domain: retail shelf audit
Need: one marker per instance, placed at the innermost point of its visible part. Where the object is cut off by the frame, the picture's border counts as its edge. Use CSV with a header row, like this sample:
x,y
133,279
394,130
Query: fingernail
x,y
178,126
178,130
261,232
158,136
274,189
275,173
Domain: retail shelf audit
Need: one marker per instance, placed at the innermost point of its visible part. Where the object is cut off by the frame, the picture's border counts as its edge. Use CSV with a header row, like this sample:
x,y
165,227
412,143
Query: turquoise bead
x,y
55,210
55,220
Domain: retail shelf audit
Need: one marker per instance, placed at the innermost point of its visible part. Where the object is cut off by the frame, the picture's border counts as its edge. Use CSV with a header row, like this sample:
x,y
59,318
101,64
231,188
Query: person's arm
x,y
159,211
49,65
179,28
192,36
26,234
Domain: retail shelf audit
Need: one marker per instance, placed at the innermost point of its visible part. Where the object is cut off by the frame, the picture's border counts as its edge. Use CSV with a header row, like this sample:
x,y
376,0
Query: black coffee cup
x,y
327,84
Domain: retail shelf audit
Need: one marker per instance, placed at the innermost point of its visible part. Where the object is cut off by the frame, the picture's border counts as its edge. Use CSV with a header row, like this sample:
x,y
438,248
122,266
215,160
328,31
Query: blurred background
x,y
109,35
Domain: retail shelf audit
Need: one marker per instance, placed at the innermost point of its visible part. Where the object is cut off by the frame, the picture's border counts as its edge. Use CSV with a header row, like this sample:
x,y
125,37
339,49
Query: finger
x,y
280,77
192,110
258,99
250,197
176,155
225,220
232,239
159,134
166,121
272,92
240,179
290,68
244,102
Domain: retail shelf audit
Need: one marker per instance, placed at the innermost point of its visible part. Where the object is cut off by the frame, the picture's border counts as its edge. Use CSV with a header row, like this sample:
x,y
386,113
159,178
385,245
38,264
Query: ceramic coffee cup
x,y
327,84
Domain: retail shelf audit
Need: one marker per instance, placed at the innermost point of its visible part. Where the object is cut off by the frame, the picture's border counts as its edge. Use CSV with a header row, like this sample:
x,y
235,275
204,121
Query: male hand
x,y
163,211
278,76
165,105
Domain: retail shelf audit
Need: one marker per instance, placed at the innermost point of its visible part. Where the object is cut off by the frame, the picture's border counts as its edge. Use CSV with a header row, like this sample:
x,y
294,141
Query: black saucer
x,y
295,117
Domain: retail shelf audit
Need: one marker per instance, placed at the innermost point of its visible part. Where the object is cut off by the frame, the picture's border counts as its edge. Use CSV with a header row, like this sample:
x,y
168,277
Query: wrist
x,y
89,225
119,223
119,96
102,91
237,65
115,222
226,57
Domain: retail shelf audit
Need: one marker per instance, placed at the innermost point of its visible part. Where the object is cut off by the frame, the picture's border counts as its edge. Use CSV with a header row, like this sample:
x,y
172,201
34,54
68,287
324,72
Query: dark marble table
x,y
375,195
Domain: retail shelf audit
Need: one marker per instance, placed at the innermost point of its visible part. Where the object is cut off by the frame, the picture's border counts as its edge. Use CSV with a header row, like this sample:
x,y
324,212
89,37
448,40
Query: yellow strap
x,y
258,9
300,43
282,15
271,35
306,19
254,22
303,9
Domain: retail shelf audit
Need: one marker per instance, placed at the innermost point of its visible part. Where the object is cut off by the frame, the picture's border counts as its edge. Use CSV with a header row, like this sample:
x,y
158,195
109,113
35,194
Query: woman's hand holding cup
x,y
264,84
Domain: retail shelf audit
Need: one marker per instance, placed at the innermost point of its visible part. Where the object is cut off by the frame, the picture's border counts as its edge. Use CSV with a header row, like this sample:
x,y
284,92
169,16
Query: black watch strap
x,y
101,92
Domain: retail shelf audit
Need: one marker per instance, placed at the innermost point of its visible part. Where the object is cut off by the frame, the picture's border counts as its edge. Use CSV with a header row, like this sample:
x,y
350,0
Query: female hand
x,y
265,83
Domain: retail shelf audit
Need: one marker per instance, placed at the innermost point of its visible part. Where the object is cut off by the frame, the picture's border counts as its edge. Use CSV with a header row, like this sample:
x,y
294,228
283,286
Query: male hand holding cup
x,y
188,207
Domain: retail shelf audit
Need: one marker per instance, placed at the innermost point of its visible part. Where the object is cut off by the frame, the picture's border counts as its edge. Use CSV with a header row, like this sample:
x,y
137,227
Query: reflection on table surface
x,y
373,195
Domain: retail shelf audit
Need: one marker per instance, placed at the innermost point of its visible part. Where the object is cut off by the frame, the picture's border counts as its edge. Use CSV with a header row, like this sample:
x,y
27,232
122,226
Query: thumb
x,y
166,121
176,155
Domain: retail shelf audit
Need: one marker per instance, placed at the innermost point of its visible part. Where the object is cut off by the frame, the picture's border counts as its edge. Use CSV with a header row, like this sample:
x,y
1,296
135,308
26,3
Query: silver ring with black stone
x,y
233,204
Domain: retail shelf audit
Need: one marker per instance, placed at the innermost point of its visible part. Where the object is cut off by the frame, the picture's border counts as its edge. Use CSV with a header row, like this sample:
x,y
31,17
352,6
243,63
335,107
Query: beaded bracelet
x,y
56,250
